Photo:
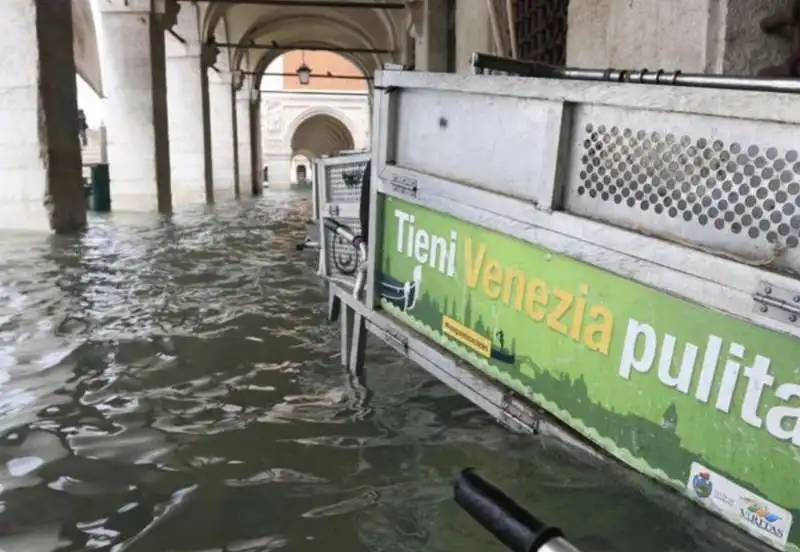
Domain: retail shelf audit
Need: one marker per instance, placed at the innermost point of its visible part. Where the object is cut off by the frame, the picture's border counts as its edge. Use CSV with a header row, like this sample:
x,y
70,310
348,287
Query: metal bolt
x,y
796,298
792,318
767,290
764,308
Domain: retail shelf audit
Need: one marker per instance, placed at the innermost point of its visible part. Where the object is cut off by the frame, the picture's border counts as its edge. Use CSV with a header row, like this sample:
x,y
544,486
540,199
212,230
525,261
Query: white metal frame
x,y
383,116
315,198
325,207
716,282
316,218
706,279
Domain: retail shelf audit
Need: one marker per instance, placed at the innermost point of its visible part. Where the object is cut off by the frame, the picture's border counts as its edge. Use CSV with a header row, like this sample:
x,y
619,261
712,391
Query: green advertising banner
x,y
697,399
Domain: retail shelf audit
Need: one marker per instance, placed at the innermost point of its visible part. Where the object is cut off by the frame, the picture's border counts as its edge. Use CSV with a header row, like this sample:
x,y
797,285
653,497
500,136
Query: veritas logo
x,y
759,515
701,483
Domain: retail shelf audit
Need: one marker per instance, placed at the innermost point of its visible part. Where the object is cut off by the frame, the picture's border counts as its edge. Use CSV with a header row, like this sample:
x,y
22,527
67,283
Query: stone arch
x,y
267,58
264,62
320,130
85,45
211,16
304,159
327,31
307,153
376,24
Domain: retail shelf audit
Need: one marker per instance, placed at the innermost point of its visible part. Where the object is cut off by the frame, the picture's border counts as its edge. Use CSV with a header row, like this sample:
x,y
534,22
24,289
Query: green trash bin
x,y
100,189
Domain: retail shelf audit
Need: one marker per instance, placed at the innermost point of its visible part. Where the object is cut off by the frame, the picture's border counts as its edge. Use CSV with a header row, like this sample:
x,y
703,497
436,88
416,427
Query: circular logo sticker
x,y
701,483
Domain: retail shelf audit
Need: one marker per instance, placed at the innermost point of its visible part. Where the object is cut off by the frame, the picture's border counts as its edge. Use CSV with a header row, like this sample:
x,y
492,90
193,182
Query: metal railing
x,y
486,62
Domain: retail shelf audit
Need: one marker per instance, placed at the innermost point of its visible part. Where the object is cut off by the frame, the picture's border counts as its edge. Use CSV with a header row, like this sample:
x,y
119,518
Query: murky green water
x,y
170,385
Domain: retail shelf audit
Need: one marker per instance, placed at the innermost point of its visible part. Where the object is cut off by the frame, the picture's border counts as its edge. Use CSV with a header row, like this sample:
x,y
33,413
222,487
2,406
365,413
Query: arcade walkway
x,y
182,78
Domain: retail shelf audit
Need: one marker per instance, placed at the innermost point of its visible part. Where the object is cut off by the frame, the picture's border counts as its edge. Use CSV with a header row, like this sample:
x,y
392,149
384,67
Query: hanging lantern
x,y
303,74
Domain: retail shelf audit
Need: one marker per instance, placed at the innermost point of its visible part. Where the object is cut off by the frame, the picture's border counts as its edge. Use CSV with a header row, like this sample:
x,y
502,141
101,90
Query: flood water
x,y
171,385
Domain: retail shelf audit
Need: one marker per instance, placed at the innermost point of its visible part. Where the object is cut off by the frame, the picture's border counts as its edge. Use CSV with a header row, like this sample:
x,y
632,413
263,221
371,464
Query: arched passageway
x,y
216,54
310,135
322,134
327,113
313,136
302,169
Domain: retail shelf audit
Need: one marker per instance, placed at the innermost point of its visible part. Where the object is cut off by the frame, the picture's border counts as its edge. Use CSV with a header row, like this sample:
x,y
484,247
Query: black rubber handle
x,y
509,522
333,225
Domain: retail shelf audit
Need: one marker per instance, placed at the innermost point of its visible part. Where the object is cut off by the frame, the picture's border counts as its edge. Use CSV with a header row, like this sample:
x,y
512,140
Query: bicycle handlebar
x,y
509,522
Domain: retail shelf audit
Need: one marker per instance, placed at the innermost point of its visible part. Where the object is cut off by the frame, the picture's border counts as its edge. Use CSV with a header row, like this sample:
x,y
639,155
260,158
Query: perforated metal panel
x,y
339,189
343,180
730,194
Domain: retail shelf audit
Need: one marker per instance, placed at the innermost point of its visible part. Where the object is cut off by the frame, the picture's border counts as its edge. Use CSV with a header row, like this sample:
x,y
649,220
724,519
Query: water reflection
x,y
169,384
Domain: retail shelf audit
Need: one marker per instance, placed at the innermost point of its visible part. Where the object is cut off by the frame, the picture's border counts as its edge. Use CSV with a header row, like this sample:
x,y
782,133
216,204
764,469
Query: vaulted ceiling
x,y
255,32
367,32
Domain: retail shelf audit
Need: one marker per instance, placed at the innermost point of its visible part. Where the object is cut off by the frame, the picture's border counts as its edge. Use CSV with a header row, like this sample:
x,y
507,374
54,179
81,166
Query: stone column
x,y
280,168
207,144
717,36
244,136
473,32
429,28
136,105
276,154
40,158
257,148
190,155
223,135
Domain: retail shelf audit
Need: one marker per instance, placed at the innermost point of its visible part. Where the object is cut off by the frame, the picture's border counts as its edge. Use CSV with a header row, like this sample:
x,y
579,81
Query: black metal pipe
x,y
178,37
316,4
313,76
483,62
319,93
509,522
343,231
293,47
